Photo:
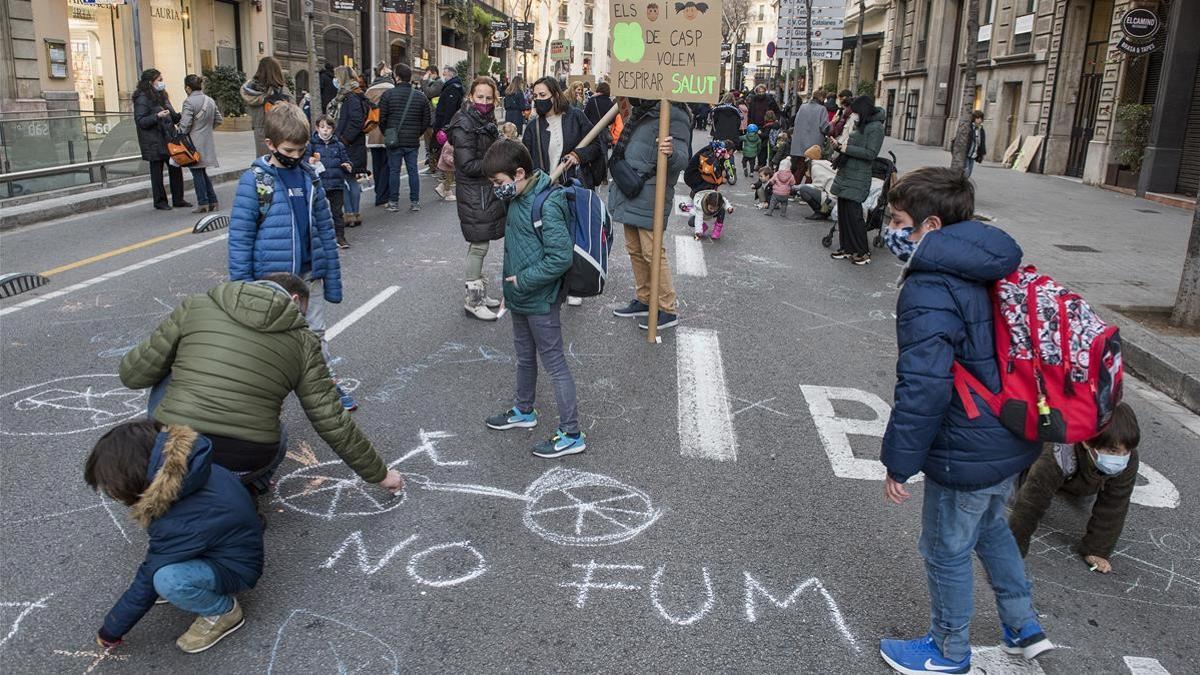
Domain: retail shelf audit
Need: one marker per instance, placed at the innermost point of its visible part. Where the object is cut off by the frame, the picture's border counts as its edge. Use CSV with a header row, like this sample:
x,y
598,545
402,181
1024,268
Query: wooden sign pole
x,y
660,197
602,125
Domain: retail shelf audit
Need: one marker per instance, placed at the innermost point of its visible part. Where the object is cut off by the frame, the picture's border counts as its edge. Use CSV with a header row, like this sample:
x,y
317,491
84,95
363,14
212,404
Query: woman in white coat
x,y
197,119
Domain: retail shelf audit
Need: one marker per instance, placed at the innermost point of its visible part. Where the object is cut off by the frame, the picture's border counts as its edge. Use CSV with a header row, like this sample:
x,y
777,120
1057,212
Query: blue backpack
x,y
591,232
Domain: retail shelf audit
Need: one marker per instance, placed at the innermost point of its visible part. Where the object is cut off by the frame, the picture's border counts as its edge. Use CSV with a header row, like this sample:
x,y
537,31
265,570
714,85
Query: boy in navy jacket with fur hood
x,y
326,148
944,315
205,538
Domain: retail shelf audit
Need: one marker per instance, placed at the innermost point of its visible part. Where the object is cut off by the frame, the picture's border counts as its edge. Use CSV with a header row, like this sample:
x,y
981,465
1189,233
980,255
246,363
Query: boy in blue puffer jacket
x,y
281,221
327,149
205,538
944,315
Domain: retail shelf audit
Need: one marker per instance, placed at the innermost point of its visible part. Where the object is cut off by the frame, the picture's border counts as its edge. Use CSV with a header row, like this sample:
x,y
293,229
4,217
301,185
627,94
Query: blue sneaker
x,y
561,444
665,320
920,656
513,419
1027,643
348,402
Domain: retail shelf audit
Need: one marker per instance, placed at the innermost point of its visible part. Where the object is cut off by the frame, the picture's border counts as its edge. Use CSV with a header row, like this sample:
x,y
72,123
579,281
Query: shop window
x,y
562,12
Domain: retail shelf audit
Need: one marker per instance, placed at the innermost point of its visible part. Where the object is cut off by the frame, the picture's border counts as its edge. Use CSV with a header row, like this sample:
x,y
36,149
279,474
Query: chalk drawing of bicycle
x,y
564,506
1161,569
69,405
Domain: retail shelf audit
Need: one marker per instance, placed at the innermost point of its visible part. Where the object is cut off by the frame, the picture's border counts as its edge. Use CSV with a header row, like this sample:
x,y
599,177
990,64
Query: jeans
x,y
383,175
175,174
968,167
407,157
192,586
475,255
541,335
205,194
353,194
780,201
953,523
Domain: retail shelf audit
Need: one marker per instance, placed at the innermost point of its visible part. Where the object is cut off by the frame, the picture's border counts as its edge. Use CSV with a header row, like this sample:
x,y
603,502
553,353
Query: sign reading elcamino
x,y
1139,26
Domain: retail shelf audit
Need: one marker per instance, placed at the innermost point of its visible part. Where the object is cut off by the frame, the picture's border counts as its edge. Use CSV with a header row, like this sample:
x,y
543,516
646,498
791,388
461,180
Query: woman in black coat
x,y
472,131
155,119
515,103
554,135
351,113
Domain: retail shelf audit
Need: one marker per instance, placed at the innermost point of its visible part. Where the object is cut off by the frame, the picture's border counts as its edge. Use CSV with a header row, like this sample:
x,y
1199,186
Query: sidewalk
x,y
235,151
1120,252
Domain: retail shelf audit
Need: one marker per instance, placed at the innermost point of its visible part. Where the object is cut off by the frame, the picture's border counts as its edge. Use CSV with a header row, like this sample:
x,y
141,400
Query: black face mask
x,y
287,161
542,106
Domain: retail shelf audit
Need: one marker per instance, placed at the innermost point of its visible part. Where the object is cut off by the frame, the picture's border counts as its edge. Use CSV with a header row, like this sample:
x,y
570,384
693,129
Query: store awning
x,y
850,41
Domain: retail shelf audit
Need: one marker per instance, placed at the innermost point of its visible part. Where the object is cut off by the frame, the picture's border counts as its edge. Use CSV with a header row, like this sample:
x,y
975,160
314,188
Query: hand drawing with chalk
x,y
563,506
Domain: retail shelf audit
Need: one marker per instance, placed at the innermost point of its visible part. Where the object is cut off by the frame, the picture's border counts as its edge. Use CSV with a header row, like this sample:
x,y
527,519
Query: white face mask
x,y
160,86
325,134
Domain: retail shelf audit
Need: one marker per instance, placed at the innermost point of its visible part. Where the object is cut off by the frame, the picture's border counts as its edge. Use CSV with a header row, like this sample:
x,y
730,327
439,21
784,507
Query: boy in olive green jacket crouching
x,y
536,256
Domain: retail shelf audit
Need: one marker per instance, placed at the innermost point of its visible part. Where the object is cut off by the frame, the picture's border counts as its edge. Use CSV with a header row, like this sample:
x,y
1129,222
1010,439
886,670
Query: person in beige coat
x,y
384,80
199,116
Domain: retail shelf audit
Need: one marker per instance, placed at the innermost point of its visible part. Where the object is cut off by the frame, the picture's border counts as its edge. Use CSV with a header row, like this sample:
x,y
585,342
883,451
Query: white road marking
x,y
689,257
352,317
835,432
705,418
111,275
1144,665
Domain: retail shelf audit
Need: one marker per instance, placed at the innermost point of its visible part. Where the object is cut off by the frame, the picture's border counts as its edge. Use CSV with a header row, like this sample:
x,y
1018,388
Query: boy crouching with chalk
x,y
1105,466
205,539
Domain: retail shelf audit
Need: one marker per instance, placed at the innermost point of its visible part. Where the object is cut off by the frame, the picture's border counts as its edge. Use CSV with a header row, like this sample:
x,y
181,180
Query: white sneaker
x,y
450,197
441,192
574,301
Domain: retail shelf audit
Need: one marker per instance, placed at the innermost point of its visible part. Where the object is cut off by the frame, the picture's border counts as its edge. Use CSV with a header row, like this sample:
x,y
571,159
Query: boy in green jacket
x,y
751,147
536,256
1105,466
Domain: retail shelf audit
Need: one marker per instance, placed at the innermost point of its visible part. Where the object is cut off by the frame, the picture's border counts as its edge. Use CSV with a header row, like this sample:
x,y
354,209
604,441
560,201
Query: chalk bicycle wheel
x,y
331,490
578,508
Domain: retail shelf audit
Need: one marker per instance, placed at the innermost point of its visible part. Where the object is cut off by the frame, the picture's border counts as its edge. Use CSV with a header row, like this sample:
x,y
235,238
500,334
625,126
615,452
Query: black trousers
x,y
156,183
336,199
379,171
852,228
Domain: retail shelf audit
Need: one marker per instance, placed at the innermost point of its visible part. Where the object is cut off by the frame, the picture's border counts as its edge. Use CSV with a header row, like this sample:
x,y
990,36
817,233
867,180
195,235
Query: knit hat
x,y
813,153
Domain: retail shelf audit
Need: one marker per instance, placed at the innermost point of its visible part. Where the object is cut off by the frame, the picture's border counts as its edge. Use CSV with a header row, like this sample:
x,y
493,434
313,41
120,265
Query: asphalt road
x,y
721,519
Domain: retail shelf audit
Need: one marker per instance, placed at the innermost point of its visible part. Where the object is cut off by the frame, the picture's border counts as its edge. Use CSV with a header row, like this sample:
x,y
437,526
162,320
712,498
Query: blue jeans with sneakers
x,y
954,523
192,586
540,336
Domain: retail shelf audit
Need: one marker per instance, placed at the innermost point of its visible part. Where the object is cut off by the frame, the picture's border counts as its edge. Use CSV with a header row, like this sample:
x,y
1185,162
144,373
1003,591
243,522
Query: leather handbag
x,y
182,151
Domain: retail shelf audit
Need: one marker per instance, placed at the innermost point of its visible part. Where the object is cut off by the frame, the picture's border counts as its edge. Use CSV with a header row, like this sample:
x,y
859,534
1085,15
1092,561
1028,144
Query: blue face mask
x,y
898,243
1110,464
506,192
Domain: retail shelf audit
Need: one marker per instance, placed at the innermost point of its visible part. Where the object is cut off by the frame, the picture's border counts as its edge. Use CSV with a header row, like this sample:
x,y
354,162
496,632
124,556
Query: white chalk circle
x,y
331,490
417,561
69,405
577,508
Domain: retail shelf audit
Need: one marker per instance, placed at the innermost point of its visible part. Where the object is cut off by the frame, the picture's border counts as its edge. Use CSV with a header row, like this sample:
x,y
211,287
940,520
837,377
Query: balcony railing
x,y
38,154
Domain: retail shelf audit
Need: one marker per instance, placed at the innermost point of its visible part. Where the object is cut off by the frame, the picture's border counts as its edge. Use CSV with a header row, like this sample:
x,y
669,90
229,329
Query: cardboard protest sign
x,y
560,50
666,50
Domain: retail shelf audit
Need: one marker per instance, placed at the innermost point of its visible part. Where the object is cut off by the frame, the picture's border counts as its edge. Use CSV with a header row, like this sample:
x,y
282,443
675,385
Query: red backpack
x,y
1060,365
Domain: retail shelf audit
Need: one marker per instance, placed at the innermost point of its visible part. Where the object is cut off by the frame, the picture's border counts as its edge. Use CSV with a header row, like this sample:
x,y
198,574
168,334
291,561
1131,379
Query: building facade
x,y
1052,69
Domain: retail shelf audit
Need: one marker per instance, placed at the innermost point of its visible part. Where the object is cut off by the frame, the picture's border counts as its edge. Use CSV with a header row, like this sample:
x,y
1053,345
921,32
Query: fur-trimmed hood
x,y
180,464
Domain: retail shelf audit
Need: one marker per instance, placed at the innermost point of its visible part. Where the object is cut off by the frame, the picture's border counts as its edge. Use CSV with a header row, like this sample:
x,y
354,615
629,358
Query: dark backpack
x,y
274,97
591,234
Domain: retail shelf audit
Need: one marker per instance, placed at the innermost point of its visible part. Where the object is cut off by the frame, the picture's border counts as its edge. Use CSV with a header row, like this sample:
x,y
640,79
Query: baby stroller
x,y
884,169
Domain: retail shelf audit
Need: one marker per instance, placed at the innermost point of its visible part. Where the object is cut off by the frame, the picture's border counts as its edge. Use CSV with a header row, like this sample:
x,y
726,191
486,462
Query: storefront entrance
x,y
93,57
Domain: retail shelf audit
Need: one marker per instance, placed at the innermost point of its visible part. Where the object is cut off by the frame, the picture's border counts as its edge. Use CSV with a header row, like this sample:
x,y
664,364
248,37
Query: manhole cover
x,y
1147,211
1076,248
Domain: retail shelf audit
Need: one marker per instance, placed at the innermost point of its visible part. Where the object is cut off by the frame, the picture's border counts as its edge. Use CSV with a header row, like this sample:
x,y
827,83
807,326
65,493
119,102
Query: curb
x,y
1160,364
29,214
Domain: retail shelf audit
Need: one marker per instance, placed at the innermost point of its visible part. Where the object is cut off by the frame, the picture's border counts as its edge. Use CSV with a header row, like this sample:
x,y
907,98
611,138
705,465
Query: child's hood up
x,y
180,464
971,250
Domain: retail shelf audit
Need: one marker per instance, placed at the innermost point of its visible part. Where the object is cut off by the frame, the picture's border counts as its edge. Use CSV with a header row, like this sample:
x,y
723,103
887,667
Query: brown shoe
x,y
214,207
203,208
207,631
